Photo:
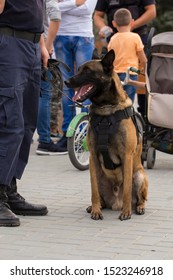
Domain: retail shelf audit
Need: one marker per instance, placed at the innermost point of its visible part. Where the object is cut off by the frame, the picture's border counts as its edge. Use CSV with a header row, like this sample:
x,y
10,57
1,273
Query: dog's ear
x,y
107,62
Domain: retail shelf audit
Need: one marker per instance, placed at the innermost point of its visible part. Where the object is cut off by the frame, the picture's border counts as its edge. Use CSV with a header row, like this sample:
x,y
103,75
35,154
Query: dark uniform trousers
x,y
20,64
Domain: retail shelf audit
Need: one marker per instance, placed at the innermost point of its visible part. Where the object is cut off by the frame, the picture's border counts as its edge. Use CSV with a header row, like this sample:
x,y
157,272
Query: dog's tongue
x,y
81,93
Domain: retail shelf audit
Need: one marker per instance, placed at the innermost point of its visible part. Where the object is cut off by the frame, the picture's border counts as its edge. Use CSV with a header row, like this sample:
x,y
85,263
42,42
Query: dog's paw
x,y
96,215
89,209
125,216
140,210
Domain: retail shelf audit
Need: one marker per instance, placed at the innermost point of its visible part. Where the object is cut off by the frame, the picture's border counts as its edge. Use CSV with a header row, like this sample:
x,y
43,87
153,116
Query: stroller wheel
x,y
151,158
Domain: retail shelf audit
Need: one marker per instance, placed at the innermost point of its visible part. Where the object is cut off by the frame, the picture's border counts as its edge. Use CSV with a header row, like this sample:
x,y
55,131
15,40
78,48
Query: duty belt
x,y
33,37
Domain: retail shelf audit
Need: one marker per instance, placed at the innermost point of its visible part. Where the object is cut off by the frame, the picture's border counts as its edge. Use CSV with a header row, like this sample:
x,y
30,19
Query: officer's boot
x,y
7,217
20,206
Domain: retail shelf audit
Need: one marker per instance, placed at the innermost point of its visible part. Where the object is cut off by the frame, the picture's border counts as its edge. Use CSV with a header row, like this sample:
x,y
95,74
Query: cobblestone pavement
x,y
67,232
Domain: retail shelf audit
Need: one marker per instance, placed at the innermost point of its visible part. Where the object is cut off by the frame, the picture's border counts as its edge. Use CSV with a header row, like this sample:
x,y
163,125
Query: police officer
x,y
143,11
21,49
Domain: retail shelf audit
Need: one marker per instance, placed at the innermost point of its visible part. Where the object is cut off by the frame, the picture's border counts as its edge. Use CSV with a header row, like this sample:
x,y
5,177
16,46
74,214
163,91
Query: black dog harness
x,y
104,127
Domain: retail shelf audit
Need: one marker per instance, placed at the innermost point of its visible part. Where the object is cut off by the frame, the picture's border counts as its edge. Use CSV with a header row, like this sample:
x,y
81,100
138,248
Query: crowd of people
x,y
31,33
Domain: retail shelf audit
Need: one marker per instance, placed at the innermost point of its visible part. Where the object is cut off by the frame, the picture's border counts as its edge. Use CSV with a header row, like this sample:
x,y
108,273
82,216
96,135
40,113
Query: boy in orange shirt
x,y
128,48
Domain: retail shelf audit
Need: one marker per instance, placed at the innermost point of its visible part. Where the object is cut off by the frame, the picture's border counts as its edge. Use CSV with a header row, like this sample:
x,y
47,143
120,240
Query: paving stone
x,y
68,232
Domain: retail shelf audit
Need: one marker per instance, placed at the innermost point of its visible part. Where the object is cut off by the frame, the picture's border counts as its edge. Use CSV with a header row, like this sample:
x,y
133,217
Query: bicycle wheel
x,y
77,147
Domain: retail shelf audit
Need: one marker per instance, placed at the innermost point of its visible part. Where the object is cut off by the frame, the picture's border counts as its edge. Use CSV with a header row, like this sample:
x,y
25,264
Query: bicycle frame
x,y
72,126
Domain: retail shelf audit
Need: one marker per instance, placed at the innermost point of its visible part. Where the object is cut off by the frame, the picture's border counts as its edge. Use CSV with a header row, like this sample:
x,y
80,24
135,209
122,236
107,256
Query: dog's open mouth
x,y
82,93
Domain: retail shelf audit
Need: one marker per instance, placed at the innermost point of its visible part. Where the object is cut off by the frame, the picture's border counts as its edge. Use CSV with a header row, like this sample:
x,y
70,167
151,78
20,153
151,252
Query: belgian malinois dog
x,y
118,179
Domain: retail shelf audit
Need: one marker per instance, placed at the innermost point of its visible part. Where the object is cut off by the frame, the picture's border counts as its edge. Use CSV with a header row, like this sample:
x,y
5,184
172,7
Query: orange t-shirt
x,y
125,45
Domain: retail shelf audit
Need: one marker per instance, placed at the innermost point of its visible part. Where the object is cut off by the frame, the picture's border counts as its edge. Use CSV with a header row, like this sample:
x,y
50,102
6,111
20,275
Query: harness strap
x,y
138,130
109,121
104,127
103,144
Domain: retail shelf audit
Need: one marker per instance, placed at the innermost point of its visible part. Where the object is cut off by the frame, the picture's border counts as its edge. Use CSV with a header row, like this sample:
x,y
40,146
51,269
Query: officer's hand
x,y
44,52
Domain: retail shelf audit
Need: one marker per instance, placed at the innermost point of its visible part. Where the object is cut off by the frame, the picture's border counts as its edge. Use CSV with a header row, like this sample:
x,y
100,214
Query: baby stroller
x,y
158,134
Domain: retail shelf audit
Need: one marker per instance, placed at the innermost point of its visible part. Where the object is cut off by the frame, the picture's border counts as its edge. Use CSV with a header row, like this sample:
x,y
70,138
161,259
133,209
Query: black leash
x,y
56,80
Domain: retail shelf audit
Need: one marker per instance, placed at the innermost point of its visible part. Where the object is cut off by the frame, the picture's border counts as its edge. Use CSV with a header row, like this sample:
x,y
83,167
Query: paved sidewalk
x,y
67,232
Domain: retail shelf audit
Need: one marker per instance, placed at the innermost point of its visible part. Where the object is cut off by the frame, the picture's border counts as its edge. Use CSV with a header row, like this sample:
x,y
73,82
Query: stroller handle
x,y
129,69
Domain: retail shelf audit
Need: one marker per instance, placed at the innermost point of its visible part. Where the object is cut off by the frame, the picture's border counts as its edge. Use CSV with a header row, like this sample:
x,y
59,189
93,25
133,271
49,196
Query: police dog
x,y
118,179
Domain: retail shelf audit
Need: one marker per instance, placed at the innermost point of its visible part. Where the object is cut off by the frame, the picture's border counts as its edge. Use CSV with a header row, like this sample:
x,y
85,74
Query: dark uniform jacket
x,y
136,7
20,15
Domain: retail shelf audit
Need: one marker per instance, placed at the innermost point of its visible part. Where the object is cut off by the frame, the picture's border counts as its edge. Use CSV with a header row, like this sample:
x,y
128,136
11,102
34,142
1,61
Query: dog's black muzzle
x,y
74,82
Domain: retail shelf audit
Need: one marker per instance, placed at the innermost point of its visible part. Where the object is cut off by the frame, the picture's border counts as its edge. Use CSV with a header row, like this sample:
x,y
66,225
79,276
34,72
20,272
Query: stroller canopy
x,y
161,72
160,81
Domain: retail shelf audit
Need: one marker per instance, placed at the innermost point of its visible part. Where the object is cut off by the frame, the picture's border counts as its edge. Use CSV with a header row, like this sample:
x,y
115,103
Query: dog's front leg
x,y
127,188
95,209
142,191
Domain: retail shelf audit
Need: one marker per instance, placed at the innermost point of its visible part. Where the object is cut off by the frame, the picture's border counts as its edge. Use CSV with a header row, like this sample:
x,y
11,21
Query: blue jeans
x,y
74,51
43,122
130,90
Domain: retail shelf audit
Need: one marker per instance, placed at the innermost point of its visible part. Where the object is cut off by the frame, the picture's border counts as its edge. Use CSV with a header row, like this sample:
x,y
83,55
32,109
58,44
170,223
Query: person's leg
x,y
43,123
46,145
83,49
13,81
7,217
141,98
30,107
74,51
130,90
141,93
64,52
29,98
